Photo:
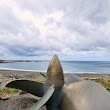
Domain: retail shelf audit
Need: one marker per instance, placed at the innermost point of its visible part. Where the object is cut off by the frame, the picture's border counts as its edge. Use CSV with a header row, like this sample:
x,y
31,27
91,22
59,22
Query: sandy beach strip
x,y
6,72
7,75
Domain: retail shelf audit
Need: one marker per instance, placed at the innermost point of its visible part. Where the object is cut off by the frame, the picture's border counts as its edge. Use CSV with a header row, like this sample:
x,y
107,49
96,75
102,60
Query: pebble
x,y
20,102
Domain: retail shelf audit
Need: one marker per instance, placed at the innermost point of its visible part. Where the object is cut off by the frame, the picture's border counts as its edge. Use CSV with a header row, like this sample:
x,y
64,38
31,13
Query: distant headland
x,y
12,61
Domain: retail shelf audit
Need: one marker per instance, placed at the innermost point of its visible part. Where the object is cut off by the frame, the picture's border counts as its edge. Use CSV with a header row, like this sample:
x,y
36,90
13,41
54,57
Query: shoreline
x,y
6,72
65,72
7,76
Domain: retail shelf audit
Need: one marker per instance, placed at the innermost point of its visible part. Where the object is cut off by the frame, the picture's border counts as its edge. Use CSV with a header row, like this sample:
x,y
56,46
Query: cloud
x,y
70,27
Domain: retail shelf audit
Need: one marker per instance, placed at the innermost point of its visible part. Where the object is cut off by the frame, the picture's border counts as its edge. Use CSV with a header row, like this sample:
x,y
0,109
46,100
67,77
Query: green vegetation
x,y
9,91
40,80
105,83
12,91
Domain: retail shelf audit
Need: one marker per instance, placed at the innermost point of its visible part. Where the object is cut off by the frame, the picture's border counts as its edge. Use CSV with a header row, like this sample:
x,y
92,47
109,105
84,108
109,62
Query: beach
x,y
7,76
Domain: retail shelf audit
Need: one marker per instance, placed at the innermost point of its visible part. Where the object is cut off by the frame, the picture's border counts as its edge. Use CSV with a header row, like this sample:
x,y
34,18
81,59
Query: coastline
x,y
23,73
7,76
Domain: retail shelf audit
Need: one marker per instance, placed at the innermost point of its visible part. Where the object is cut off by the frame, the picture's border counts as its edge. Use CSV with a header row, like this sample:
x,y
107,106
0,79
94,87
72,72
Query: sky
x,y
38,29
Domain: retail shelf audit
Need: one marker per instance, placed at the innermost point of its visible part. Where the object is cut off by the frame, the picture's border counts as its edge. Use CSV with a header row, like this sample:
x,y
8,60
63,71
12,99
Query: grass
x,y
105,83
9,91
14,91
40,80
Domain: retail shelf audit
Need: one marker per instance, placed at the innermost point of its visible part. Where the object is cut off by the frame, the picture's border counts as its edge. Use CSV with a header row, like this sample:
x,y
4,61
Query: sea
x,y
68,66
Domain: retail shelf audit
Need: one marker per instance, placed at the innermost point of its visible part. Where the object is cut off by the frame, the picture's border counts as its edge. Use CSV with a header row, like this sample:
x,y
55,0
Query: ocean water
x,y
68,66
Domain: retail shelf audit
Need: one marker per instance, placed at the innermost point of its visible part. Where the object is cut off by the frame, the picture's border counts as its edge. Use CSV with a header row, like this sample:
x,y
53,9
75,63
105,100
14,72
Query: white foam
x,y
12,69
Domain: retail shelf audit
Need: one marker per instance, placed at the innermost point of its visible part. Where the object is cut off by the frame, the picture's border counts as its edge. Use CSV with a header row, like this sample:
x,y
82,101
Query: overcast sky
x,y
37,29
